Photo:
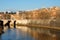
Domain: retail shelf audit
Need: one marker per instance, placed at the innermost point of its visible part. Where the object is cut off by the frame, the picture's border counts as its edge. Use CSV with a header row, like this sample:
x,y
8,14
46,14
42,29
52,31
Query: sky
x,y
15,5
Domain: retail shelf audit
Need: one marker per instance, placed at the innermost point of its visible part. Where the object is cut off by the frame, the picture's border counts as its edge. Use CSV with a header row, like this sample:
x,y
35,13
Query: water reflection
x,y
27,33
0,37
17,34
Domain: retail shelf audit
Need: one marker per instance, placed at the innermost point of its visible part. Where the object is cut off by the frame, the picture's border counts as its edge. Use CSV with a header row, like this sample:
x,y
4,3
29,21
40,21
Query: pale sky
x,y
15,5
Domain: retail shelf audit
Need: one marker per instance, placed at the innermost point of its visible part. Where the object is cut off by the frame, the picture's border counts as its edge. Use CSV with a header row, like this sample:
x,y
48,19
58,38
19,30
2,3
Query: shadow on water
x,y
0,37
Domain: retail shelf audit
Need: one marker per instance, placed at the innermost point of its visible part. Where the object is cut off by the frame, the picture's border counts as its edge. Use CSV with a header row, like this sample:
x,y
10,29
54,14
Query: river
x,y
19,33
25,33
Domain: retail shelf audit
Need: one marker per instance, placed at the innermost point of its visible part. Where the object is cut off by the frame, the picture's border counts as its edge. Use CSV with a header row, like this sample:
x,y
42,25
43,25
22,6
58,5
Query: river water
x,y
19,33
25,33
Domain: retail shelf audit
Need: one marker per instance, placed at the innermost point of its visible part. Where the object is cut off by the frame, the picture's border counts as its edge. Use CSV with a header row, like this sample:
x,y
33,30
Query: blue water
x,y
16,34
